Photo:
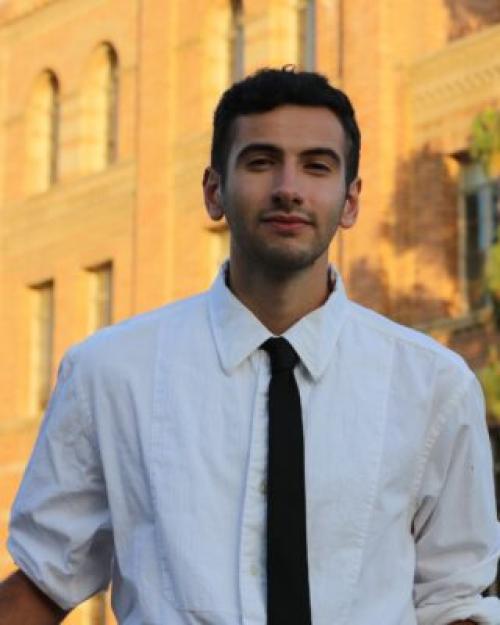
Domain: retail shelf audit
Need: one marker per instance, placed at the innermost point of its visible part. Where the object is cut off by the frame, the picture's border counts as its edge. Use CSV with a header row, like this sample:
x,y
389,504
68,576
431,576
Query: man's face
x,y
284,193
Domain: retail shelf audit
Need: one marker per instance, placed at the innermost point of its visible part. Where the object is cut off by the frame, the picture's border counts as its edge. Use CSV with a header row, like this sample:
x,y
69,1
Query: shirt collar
x,y
238,333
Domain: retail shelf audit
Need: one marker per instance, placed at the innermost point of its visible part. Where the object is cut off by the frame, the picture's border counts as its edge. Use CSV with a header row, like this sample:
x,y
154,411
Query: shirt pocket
x,y
196,494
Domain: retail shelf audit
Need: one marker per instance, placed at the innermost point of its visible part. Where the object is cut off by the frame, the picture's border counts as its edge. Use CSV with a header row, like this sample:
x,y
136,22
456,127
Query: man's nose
x,y
287,192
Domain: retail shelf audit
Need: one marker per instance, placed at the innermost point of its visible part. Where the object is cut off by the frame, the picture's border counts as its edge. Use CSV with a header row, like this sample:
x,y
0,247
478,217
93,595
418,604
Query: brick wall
x,y
469,16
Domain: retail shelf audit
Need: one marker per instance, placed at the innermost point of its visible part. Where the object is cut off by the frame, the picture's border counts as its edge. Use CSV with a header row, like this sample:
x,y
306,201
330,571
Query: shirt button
x,y
254,570
263,487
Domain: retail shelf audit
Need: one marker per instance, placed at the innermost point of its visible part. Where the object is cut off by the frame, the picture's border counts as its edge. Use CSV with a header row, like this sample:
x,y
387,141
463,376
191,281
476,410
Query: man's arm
x,y
60,530
22,603
457,535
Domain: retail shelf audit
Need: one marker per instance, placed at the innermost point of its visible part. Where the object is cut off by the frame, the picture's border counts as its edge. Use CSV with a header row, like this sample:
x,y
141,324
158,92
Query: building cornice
x,y
447,88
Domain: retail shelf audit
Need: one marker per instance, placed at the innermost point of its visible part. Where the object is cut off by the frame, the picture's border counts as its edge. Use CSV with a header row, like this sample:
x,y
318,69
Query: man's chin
x,y
279,262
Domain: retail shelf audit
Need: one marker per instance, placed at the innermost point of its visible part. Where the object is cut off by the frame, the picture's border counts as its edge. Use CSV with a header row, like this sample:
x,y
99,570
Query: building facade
x,y
105,123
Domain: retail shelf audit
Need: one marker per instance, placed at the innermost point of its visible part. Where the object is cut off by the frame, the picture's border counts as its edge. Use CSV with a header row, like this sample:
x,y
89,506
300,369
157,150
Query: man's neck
x,y
280,301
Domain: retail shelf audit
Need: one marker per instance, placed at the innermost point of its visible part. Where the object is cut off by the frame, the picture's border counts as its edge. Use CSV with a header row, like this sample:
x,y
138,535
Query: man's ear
x,y
351,206
212,193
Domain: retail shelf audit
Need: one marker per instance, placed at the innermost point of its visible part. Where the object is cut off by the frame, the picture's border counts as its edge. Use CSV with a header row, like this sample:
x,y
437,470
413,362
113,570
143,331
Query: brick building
x,y
105,113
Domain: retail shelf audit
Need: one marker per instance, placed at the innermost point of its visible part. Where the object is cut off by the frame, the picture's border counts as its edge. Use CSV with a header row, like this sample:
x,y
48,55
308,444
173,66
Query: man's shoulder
x,y
407,338
139,334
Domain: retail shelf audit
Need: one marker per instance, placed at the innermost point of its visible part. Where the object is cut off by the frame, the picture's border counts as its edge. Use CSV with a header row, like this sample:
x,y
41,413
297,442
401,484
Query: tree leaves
x,y
485,138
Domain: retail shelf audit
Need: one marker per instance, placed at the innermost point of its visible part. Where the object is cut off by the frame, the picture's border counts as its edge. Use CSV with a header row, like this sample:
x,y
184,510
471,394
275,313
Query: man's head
x,y
268,89
284,170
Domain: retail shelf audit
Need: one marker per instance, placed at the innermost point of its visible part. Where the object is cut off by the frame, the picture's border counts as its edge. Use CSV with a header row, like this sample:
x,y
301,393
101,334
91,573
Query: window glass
x,y
42,134
99,110
42,345
306,33
236,42
101,296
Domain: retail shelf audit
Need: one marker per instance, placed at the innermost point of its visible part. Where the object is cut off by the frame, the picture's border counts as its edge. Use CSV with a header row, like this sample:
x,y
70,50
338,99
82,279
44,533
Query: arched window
x,y
99,110
306,32
42,133
236,42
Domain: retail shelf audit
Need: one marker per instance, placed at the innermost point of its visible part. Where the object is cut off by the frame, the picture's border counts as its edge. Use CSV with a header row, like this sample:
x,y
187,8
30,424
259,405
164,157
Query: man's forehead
x,y
289,125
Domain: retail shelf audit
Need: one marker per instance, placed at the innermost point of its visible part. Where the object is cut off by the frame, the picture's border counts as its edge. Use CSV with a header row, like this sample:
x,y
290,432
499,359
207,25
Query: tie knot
x,y
283,356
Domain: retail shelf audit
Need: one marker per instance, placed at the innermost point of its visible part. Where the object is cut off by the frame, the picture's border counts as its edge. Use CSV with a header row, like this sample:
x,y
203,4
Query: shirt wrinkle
x,y
435,432
81,399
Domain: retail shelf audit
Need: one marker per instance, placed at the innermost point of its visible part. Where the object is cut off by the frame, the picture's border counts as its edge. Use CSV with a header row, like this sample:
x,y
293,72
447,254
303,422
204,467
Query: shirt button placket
x,y
252,547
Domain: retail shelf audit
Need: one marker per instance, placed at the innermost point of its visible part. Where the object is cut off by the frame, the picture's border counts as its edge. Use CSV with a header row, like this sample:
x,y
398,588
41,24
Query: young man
x,y
268,451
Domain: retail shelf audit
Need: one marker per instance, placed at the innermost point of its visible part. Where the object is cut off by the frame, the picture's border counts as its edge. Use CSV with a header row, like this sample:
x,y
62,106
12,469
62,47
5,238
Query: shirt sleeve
x,y
60,530
457,535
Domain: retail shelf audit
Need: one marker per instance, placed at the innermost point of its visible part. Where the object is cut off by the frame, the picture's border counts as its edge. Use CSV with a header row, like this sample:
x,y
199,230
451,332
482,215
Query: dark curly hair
x,y
269,88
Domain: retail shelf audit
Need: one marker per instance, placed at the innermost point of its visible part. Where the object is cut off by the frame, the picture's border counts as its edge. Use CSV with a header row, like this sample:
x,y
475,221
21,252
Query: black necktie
x,y
288,600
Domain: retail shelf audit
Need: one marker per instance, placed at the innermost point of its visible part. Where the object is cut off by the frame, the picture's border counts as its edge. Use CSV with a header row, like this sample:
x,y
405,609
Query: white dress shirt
x,y
150,470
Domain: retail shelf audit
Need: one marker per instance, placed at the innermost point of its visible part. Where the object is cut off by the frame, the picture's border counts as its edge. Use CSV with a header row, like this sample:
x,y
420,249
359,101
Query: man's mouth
x,y
287,219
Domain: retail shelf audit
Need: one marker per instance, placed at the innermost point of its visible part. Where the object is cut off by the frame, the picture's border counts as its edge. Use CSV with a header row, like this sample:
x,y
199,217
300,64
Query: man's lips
x,y
285,219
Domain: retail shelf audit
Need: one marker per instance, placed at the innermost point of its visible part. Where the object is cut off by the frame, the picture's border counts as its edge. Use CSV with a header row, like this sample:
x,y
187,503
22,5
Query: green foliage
x,y
490,374
485,148
485,137
490,380
492,270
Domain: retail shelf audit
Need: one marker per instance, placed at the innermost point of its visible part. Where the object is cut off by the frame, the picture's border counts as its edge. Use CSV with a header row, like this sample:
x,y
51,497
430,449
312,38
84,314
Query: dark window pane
x,y
474,255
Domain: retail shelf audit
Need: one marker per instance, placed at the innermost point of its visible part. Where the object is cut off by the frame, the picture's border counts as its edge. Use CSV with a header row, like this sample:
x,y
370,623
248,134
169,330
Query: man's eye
x,y
259,162
318,166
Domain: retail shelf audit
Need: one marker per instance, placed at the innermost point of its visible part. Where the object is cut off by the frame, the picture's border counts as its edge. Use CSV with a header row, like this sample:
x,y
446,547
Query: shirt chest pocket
x,y
197,489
